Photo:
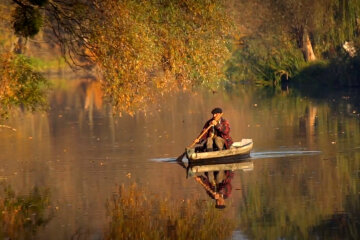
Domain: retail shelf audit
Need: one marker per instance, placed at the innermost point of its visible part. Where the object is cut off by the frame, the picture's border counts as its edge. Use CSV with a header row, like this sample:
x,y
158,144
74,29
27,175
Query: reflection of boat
x,y
237,150
245,166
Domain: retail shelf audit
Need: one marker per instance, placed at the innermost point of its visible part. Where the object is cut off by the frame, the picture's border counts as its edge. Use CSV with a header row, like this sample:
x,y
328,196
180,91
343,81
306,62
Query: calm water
x,y
304,182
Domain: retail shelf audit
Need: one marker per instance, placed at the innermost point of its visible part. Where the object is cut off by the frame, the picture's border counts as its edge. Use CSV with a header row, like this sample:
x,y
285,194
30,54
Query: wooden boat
x,y
238,150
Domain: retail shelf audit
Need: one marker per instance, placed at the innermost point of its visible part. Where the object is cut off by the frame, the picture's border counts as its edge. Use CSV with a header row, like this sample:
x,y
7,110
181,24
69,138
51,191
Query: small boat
x,y
238,150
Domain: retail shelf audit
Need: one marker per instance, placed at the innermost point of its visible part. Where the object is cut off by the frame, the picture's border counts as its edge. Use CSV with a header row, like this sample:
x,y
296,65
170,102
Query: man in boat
x,y
218,134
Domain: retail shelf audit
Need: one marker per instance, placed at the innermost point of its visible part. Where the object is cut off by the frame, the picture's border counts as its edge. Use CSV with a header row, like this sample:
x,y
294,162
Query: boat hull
x,y
238,150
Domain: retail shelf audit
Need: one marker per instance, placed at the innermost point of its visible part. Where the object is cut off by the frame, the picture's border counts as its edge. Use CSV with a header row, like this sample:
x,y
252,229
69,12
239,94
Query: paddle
x,y
199,137
207,188
199,180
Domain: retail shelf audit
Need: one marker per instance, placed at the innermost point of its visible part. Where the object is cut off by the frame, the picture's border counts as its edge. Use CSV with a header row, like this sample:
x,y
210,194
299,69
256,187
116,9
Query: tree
x,y
161,45
141,48
20,85
278,30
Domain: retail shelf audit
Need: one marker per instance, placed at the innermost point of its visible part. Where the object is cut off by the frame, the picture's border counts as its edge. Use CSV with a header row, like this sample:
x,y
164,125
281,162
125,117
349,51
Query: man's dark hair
x,y
220,206
216,110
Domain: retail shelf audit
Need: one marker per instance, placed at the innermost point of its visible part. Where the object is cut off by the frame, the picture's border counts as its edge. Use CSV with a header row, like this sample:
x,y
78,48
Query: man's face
x,y
215,115
220,201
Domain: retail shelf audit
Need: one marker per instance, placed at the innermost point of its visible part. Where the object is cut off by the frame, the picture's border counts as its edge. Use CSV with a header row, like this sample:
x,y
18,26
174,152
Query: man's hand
x,y
214,122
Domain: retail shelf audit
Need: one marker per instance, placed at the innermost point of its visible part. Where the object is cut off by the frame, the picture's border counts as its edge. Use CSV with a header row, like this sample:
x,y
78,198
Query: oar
x,y
207,188
199,137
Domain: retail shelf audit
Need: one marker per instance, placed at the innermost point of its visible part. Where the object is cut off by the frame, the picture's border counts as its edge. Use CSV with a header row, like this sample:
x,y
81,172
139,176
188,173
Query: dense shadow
x,y
339,226
321,78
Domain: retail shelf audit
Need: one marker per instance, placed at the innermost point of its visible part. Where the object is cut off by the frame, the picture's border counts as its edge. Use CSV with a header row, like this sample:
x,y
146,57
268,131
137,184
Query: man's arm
x,y
205,135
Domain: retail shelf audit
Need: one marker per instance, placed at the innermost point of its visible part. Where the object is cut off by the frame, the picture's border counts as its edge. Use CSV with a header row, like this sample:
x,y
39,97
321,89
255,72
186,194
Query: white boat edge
x,y
237,148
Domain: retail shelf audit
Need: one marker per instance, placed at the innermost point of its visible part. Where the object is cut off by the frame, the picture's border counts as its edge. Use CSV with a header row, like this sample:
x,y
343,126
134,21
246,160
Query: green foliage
x,y
22,216
27,18
134,214
276,45
27,21
332,74
266,60
41,65
340,24
20,84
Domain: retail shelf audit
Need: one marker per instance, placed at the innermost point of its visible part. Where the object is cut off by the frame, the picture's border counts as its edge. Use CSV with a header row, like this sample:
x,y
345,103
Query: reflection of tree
x,y
345,223
316,199
84,93
285,205
22,216
94,95
134,214
340,226
307,123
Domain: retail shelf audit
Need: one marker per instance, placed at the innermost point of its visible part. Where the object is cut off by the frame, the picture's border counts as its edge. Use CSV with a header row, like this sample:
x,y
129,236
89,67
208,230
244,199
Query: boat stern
x,y
189,152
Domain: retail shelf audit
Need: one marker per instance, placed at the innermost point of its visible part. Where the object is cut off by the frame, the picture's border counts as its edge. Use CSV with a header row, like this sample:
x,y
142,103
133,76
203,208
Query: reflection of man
x,y
217,185
219,133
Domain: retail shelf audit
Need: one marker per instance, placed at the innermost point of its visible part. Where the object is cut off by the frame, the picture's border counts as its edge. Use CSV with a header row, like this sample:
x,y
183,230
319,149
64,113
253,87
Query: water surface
x,y
306,159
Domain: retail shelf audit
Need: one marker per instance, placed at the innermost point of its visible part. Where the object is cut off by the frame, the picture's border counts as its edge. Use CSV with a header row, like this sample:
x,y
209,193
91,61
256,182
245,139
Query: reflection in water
x,y
304,200
136,214
82,152
217,185
216,178
22,216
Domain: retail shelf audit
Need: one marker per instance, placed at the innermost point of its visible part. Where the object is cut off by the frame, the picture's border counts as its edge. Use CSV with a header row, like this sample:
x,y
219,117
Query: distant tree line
x,y
284,37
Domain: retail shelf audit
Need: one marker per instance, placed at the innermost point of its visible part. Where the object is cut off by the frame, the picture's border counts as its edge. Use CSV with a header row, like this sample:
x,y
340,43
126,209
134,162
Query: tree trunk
x,y
307,48
20,45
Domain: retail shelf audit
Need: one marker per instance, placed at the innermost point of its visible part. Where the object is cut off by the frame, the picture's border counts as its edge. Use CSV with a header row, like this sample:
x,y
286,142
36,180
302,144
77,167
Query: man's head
x,y
220,203
216,111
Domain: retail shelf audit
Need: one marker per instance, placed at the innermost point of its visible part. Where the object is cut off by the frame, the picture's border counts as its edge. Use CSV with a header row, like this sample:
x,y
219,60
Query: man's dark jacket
x,y
222,129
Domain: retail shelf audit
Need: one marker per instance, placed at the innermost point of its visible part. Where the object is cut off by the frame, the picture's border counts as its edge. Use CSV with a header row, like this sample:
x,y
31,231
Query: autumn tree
x,y
161,45
140,48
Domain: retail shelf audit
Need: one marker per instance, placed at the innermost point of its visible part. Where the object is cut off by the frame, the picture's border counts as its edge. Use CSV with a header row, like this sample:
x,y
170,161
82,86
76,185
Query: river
x,y
304,182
